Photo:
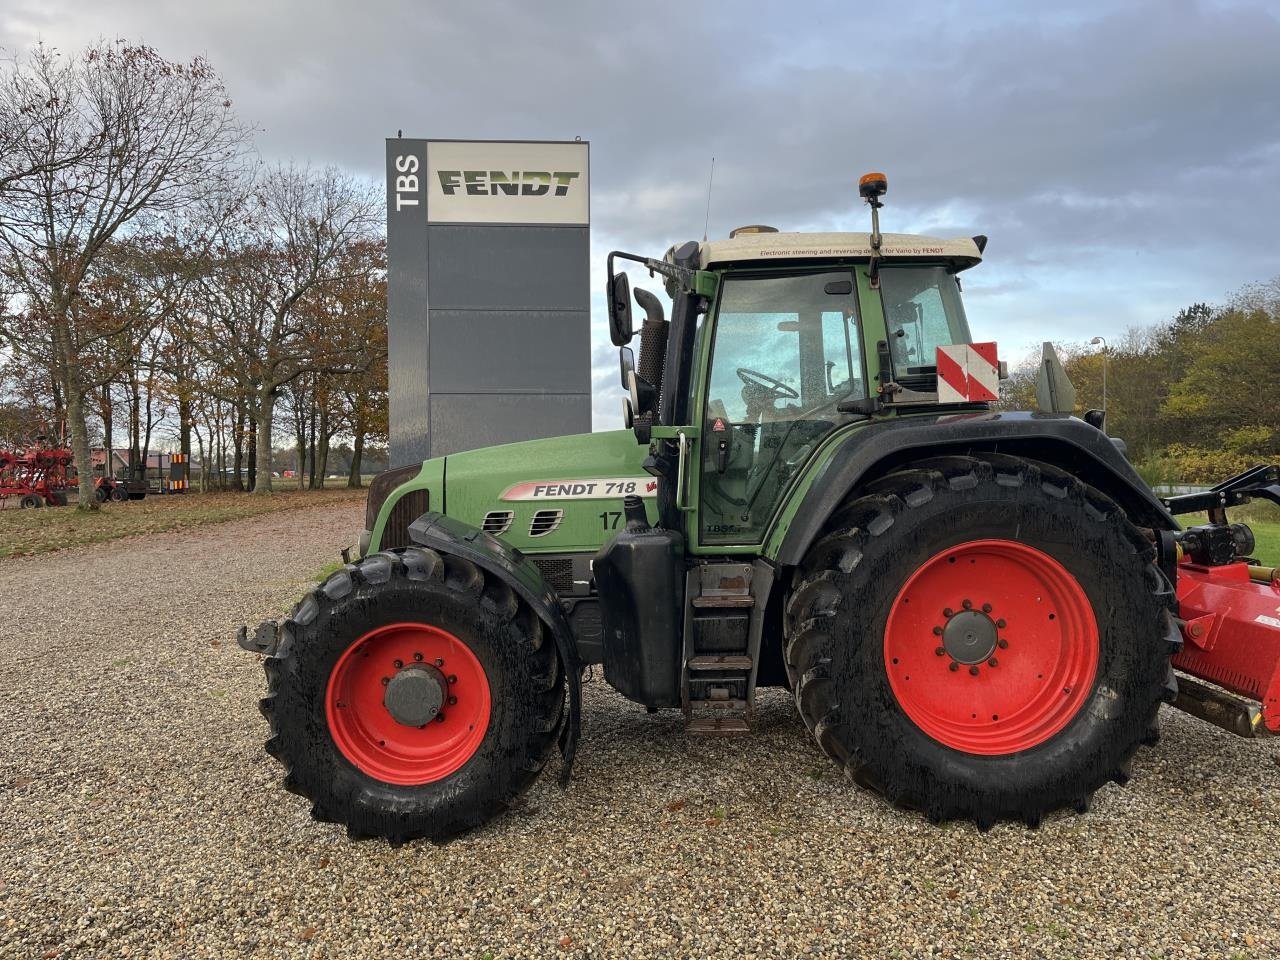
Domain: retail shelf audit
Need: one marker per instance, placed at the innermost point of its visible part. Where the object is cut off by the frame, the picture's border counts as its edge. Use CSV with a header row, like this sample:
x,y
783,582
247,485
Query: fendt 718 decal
x,y
604,488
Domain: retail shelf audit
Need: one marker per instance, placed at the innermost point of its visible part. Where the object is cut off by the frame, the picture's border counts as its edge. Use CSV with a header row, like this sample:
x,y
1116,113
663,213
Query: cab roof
x,y
963,252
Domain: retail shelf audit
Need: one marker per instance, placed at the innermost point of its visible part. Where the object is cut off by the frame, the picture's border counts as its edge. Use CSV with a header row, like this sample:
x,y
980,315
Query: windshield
x,y
786,350
922,311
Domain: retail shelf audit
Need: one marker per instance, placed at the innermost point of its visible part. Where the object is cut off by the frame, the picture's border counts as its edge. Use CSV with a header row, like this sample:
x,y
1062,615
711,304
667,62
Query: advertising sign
x,y
507,182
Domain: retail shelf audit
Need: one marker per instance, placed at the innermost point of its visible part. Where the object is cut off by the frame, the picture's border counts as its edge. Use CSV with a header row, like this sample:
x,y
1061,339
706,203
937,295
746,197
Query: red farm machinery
x,y
36,475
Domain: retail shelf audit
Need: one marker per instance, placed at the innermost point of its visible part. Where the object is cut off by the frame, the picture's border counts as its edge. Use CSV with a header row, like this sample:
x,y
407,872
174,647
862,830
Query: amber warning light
x,y
872,185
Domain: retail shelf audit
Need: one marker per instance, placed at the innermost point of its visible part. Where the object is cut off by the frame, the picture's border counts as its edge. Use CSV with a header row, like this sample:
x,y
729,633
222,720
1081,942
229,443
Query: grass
x,y
26,532
1268,537
1264,520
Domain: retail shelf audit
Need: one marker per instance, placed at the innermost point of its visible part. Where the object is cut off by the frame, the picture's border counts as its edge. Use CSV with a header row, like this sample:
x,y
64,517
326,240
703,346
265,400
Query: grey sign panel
x,y
467,421
489,322
510,351
407,301
509,267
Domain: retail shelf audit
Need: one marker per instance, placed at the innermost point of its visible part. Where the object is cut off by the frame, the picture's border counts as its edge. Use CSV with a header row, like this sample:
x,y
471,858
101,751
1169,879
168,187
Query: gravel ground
x,y
139,816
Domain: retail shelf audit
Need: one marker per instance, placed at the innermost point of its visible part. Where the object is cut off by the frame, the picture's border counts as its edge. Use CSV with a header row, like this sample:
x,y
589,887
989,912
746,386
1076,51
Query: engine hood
x,y
560,494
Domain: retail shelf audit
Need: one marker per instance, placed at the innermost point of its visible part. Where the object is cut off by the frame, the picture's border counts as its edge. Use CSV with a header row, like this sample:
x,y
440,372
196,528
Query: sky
x,y
1124,158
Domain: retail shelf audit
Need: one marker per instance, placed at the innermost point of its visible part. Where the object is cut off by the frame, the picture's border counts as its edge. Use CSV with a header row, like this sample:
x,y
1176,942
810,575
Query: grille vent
x,y
545,521
405,510
558,573
497,522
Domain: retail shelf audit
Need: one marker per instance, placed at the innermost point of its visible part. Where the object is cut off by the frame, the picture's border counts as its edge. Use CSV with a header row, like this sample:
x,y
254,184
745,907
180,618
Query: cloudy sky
x,y
1124,158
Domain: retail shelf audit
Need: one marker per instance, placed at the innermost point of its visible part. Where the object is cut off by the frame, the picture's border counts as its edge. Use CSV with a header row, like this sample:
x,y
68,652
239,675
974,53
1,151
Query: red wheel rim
x,y
363,726
1043,639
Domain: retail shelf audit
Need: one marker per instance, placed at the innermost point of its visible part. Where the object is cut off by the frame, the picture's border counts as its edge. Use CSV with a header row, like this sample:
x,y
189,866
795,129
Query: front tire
x,y
981,638
412,695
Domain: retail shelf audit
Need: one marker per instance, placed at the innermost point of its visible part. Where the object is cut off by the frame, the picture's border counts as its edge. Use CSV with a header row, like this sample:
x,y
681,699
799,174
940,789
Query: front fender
x,y
1065,441
452,536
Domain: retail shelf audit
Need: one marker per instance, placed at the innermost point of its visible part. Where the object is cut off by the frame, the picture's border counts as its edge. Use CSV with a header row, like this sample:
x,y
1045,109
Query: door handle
x,y
682,459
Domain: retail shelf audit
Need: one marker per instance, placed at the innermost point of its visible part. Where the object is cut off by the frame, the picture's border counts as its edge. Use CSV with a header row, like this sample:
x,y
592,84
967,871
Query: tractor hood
x,y
555,495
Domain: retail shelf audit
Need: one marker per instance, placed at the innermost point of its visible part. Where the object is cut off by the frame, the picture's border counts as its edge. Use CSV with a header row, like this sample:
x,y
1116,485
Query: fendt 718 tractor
x,y
978,612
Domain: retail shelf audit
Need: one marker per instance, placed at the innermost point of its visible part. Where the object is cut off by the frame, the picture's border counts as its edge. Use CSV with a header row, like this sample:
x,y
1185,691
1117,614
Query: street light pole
x,y
1095,341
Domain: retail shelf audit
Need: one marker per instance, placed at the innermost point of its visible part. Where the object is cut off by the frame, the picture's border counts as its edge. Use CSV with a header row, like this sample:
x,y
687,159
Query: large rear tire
x,y
982,638
412,695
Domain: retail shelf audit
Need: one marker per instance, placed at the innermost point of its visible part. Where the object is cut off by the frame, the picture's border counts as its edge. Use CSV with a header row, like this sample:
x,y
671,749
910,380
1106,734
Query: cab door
x,y
783,350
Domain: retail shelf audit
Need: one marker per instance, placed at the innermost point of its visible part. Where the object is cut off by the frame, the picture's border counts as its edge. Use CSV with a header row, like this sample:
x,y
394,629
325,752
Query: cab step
x,y
718,726
718,662
705,602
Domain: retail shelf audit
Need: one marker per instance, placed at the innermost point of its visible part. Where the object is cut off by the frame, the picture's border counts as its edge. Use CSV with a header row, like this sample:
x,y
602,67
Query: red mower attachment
x,y
1229,610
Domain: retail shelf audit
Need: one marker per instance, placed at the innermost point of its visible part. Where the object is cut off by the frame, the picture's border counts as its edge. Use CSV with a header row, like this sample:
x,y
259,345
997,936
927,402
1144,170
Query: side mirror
x,y
642,396
626,366
618,295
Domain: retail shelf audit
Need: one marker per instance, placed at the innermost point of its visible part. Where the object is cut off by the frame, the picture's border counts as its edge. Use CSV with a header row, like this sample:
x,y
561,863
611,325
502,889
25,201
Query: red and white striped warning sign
x,y
968,372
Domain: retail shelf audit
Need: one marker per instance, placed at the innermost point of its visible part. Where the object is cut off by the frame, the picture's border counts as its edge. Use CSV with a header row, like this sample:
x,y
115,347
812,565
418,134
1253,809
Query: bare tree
x,y
38,132
307,222
151,137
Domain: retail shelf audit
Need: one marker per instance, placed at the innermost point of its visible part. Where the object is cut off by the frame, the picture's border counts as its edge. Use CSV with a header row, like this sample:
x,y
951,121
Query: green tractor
x,y
975,610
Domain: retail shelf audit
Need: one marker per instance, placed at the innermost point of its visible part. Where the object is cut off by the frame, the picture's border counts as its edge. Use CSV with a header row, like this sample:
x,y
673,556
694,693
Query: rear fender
x,y
1064,441
451,536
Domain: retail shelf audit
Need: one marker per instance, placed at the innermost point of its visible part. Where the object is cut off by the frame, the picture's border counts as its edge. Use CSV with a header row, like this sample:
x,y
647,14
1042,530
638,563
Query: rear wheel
x,y
31,501
981,638
412,695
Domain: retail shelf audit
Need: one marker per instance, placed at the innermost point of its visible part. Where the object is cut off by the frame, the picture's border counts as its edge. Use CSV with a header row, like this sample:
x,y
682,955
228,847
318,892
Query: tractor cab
x,y
777,340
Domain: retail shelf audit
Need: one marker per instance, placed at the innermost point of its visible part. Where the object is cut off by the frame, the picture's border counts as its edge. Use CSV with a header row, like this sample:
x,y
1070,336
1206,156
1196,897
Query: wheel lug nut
x,y
1001,624
418,657
941,651
1002,643
954,666
973,671
385,681
439,661
397,664
937,631
993,662
452,678
439,718
452,701
948,612
986,608
968,604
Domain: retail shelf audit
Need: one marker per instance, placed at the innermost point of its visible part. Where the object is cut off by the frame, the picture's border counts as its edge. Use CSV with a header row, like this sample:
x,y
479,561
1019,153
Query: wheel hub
x,y
416,695
970,637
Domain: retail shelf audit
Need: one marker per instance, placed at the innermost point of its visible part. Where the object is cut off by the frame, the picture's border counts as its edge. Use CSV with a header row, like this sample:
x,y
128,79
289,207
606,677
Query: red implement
x,y
1231,632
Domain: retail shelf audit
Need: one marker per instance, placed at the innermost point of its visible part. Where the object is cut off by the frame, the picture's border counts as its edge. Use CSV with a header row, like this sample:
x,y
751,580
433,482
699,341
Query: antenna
x,y
706,223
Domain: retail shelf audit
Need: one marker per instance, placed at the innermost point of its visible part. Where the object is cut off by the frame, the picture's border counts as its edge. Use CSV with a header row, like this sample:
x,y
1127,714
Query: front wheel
x,y
981,638
412,695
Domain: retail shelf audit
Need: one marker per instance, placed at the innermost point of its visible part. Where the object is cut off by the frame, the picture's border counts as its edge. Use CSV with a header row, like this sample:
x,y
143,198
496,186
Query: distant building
x,y
121,461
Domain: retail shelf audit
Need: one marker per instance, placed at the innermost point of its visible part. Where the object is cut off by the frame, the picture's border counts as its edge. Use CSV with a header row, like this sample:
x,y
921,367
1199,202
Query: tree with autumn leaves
x,y
149,264
1193,397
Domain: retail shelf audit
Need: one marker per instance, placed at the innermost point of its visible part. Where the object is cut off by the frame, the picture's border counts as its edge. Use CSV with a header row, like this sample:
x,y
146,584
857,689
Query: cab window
x,y
922,311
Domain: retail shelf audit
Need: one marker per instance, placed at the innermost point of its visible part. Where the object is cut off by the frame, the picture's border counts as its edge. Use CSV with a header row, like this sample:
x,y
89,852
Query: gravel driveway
x,y
139,816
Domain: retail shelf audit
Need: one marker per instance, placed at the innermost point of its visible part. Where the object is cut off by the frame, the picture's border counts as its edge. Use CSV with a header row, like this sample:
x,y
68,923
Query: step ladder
x,y
719,672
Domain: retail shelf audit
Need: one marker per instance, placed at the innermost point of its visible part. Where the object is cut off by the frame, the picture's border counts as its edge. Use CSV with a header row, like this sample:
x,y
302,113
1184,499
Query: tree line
x,y
154,271
1193,398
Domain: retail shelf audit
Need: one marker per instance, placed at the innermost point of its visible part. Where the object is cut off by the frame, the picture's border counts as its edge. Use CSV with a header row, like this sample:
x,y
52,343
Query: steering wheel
x,y
754,378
